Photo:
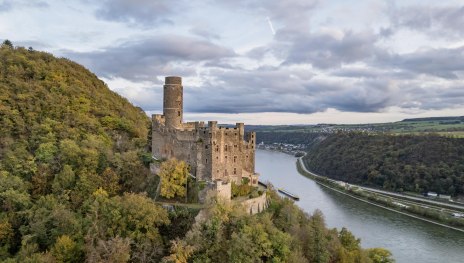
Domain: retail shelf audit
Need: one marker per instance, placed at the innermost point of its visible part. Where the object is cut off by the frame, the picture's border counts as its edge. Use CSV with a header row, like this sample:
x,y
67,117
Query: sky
x,y
261,61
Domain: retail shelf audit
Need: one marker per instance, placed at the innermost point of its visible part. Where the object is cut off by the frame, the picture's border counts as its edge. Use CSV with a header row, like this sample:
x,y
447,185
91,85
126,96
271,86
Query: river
x,y
410,240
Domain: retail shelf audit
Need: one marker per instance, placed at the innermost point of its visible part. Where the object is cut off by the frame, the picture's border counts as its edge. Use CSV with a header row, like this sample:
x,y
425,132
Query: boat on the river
x,y
287,193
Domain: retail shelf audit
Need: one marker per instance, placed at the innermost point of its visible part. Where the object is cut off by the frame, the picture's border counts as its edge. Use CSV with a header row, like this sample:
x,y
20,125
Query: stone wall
x,y
256,205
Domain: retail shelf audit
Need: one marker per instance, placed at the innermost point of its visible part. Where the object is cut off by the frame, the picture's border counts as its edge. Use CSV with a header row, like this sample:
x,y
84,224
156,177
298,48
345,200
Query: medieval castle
x,y
214,153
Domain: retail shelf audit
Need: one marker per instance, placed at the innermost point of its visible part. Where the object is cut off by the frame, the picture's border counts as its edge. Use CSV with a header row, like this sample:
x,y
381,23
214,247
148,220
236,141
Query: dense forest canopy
x,y
400,163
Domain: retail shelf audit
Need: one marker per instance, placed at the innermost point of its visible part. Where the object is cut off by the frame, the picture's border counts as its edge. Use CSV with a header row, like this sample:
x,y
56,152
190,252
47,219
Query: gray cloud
x,y
360,96
290,15
5,6
439,21
145,59
8,5
327,51
140,13
206,33
442,62
372,73
430,96
278,90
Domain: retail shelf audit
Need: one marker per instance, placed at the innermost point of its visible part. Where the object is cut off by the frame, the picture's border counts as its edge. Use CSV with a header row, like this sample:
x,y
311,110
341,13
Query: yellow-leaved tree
x,y
173,174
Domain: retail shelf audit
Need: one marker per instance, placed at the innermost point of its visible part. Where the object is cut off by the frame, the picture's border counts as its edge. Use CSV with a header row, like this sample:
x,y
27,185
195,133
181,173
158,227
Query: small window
x,y
235,159
178,113
225,148
206,160
206,146
235,170
235,134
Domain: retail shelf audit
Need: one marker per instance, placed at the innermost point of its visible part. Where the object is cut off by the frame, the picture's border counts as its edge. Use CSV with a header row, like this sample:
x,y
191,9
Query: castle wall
x,y
223,189
256,205
233,158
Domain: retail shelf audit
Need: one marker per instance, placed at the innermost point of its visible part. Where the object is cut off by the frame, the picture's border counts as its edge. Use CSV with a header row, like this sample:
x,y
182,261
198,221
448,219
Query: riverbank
x,y
416,211
408,239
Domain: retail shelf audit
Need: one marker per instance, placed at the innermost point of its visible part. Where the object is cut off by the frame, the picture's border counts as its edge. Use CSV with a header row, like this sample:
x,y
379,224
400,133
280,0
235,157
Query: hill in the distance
x,y
449,126
444,118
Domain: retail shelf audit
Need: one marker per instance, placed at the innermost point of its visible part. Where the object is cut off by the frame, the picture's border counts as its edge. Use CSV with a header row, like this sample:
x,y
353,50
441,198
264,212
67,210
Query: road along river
x,y
409,240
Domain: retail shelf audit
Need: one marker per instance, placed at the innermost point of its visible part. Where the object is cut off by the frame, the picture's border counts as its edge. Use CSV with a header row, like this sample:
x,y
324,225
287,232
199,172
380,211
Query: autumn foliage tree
x,y
173,174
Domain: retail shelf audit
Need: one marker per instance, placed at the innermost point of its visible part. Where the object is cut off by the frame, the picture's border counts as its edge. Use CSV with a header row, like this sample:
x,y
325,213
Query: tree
x,y
46,152
14,194
380,255
110,181
64,180
114,250
315,237
173,174
6,234
67,250
134,218
49,219
180,252
7,44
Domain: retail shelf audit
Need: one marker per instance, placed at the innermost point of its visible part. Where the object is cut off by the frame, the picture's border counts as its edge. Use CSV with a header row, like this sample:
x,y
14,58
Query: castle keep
x,y
214,153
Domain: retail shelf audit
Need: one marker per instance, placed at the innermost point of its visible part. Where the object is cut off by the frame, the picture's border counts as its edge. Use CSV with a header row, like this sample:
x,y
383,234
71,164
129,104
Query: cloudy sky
x,y
261,61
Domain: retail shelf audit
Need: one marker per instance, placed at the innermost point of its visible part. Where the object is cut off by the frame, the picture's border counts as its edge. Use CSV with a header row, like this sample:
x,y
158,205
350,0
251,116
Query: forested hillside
x,y
400,163
63,136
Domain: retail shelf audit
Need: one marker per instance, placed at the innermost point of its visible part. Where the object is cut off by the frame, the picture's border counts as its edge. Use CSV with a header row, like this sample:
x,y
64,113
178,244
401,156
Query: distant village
x,y
293,149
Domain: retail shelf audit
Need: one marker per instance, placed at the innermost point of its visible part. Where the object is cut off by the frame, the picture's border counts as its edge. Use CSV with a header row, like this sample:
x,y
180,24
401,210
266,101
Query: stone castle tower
x,y
214,153
173,102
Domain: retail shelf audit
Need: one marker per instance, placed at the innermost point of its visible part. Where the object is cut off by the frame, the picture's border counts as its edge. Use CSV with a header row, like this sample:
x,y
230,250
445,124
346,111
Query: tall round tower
x,y
173,102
